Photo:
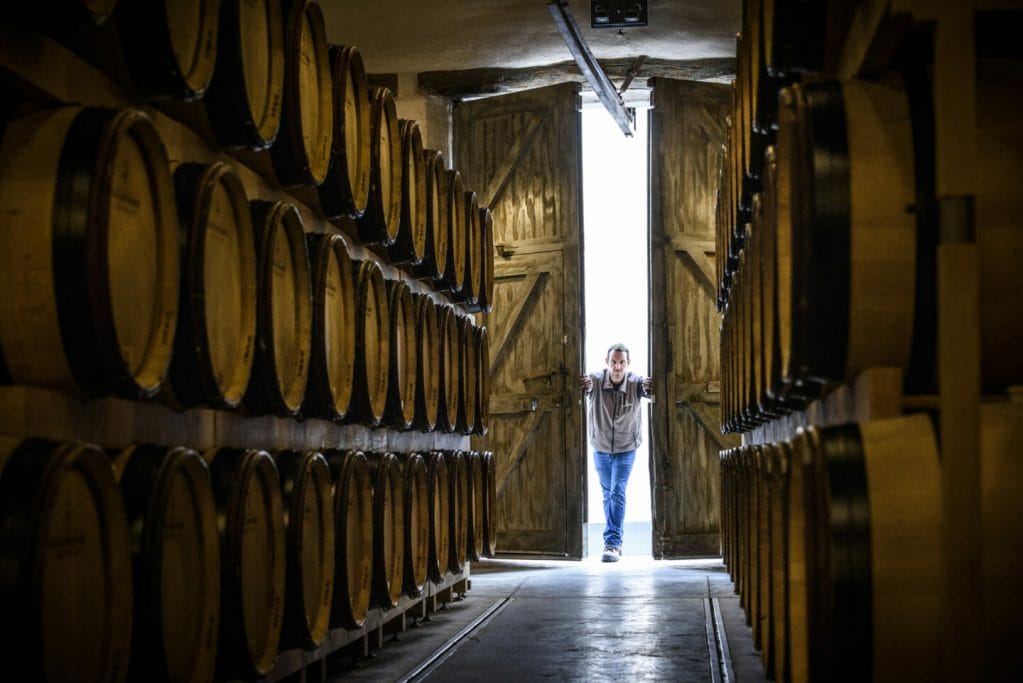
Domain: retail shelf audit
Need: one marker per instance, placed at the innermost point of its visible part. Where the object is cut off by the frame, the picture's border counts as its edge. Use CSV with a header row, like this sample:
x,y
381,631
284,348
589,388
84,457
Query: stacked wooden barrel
x,y
833,542
306,542
228,233
829,233
213,304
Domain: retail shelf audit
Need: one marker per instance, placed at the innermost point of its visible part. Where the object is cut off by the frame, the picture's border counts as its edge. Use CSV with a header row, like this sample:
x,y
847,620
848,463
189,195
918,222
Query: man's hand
x,y
586,382
648,385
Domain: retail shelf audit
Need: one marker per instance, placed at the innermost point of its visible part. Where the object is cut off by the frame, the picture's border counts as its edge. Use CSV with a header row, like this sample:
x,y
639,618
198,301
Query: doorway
x,y
616,297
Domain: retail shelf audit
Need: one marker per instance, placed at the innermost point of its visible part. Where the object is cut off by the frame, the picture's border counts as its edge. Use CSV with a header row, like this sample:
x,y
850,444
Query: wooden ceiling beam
x,y
469,83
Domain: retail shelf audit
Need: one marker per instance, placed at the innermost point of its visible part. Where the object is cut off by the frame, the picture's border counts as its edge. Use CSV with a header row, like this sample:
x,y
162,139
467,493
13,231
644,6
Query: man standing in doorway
x,y
615,432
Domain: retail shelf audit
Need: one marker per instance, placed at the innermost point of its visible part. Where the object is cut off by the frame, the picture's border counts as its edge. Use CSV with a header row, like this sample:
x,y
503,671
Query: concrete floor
x,y
529,620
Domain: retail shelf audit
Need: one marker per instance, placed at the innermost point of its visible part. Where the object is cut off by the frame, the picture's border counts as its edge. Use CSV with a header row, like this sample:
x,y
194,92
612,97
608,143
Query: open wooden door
x,y
521,154
686,133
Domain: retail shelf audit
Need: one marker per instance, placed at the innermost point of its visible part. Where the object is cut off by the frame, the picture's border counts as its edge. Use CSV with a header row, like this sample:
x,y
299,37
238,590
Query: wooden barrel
x,y
435,253
458,510
777,558
1001,432
855,242
250,508
476,497
388,529
806,555
244,100
481,348
803,38
170,46
332,360
280,369
767,539
428,363
747,582
438,495
372,344
882,520
454,273
353,522
216,332
468,375
489,504
172,519
345,190
379,224
773,399
752,583
471,279
448,331
754,293
88,252
487,282
789,209
410,243
416,522
301,153
64,545
306,485
401,379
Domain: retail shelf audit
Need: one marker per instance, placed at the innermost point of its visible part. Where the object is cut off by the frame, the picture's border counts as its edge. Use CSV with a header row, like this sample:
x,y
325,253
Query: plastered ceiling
x,y
414,36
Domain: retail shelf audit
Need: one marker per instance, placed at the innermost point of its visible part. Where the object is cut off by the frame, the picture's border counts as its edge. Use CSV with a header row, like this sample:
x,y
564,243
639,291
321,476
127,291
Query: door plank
x,y
513,321
522,145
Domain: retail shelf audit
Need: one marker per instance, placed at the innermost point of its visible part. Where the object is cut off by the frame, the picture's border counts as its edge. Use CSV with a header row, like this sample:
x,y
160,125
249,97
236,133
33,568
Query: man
x,y
615,432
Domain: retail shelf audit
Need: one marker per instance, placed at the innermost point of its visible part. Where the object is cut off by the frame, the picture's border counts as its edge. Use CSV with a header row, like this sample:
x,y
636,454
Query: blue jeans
x,y
614,470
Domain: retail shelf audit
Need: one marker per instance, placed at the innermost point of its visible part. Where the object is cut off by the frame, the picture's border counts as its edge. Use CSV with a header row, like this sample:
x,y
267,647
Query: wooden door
x,y
521,154
686,132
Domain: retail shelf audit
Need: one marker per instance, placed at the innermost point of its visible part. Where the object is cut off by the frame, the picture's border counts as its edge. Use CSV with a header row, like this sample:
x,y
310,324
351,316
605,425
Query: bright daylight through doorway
x,y
616,297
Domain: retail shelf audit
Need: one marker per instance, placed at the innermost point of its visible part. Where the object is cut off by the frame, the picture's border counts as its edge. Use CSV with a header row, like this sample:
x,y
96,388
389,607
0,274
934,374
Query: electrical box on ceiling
x,y
617,13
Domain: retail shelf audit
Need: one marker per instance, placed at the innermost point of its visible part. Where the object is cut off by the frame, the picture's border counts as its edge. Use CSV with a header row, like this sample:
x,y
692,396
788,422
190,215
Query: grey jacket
x,y
614,413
